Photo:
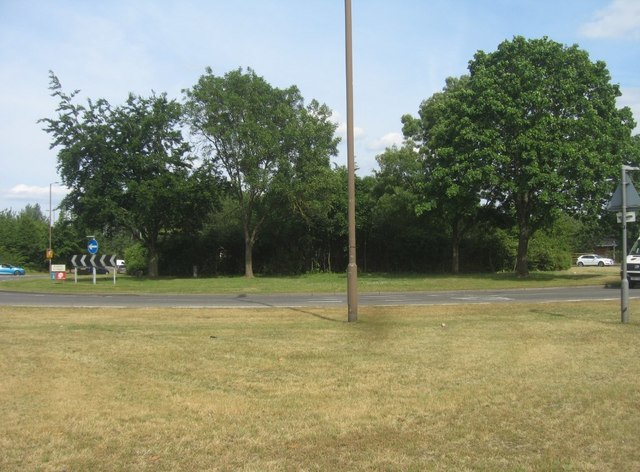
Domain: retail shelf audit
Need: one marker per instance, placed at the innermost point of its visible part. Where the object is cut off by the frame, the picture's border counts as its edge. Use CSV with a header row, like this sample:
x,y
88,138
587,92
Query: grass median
x,y
315,283
551,386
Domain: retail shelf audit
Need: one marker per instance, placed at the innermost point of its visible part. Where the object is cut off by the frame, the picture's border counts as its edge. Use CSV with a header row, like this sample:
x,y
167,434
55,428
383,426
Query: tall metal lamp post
x,y
50,249
352,268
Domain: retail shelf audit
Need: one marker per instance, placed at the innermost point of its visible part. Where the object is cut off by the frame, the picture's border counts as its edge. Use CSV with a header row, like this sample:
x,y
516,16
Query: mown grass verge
x,y
480,387
316,283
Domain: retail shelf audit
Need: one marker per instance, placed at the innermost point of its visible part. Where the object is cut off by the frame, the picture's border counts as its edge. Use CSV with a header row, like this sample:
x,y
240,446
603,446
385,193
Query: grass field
x,y
544,387
318,283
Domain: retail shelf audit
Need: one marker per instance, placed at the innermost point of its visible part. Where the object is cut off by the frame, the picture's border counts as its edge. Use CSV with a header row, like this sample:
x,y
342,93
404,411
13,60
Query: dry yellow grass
x,y
484,387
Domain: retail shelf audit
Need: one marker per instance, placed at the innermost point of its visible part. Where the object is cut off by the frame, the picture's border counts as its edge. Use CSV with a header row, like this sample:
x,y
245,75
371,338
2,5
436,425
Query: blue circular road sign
x,y
92,246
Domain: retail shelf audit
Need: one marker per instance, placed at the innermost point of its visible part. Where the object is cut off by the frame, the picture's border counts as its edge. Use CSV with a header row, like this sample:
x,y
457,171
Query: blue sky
x,y
403,52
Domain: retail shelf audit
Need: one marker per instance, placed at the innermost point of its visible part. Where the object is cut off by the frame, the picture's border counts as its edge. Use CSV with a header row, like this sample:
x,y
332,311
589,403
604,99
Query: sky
x,y
403,50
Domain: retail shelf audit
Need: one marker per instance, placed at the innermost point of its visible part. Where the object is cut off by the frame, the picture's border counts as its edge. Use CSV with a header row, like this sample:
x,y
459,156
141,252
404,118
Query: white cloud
x,y
33,192
621,19
21,195
386,141
358,133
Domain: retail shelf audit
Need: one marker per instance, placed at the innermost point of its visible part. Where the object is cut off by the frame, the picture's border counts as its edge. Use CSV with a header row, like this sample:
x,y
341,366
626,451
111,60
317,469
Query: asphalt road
x,y
541,295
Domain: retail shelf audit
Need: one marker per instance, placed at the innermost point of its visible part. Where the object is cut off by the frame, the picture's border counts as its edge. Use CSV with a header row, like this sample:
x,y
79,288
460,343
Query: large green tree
x,y
538,122
266,141
23,236
452,188
127,166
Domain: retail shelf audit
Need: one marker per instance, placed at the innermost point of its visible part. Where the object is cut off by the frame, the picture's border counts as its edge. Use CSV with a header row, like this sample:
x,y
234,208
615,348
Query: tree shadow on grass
x,y
295,309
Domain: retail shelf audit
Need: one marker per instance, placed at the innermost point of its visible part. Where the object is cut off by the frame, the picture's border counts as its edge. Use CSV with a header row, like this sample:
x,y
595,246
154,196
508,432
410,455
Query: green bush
x,y
136,259
545,253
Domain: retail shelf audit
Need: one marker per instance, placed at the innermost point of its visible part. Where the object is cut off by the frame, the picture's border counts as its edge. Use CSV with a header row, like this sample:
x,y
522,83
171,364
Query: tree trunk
x,y
522,261
152,262
455,257
248,254
456,236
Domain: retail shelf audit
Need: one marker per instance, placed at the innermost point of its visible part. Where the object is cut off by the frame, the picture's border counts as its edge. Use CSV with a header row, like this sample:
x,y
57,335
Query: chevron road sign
x,y
84,260
108,261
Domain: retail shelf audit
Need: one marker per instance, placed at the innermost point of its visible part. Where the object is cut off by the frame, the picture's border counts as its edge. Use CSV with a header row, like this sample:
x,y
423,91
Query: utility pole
x,y
624,282
50,248
352,268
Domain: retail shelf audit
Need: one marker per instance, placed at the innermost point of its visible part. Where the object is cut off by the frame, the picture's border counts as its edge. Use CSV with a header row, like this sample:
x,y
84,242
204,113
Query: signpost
x,y
631,216
92,246
58,272
49,256
624,198
84,261
94,261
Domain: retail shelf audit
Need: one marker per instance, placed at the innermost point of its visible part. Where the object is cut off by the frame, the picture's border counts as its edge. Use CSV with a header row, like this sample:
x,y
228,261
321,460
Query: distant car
x,y
8,269
593,260
89,270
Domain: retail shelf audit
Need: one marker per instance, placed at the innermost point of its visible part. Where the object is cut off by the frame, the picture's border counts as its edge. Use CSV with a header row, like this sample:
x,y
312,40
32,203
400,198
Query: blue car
x,y
8,269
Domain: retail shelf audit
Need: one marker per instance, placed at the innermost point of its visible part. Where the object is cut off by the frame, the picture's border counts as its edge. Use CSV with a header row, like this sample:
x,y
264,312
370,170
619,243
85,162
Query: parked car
x,y
593,260
89,270
8,269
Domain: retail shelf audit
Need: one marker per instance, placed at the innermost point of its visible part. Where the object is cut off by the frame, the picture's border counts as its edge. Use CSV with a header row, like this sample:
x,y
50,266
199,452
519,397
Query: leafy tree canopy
x,y
534,129
127,166
267,142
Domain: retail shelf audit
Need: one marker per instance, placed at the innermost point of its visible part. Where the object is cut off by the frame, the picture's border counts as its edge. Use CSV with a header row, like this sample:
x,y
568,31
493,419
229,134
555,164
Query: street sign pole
x,y
94,262
92,247
625,197
624,283
624,200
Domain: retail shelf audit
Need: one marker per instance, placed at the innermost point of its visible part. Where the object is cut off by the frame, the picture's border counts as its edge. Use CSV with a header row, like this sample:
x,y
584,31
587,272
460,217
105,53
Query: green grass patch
x,y
317,283
507,387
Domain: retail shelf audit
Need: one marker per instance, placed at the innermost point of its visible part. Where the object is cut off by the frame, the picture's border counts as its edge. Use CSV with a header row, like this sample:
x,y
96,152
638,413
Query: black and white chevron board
x,y
93,260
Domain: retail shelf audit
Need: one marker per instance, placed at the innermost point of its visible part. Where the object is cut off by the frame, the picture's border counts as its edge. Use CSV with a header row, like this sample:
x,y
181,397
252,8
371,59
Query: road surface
x,y
539,295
